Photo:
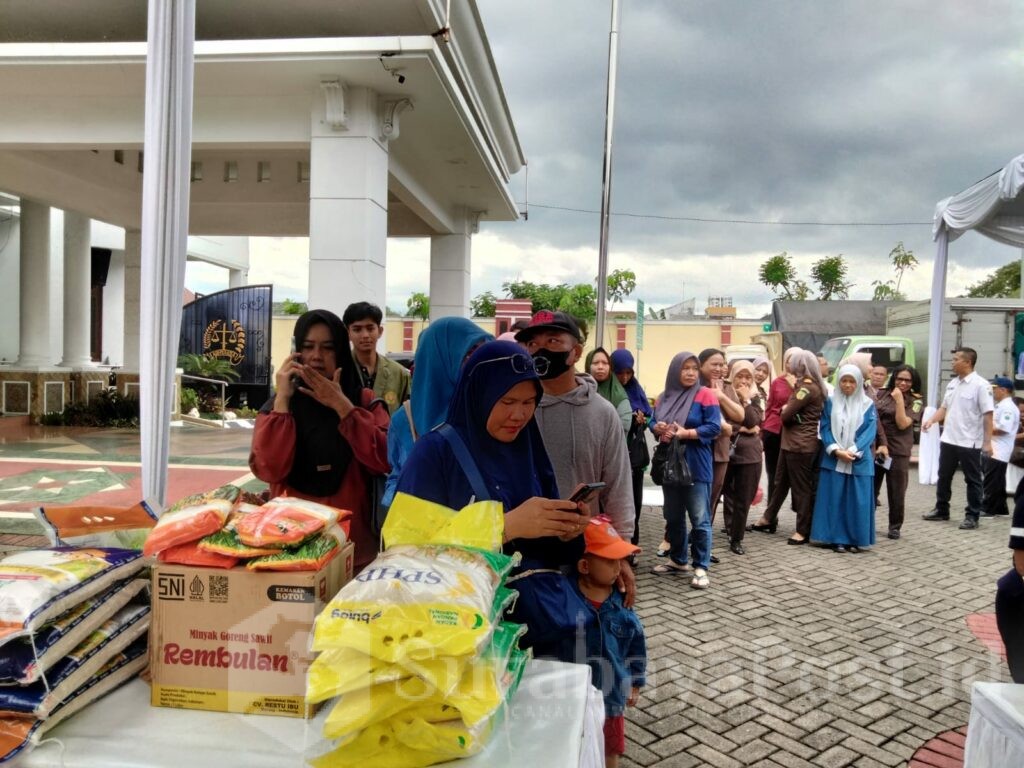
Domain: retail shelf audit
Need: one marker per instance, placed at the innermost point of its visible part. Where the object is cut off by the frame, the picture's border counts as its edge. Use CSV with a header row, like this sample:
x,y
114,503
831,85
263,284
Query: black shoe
x,y
894,533
736,548
838,548
713,559
796,542
935,515
770,528
969,524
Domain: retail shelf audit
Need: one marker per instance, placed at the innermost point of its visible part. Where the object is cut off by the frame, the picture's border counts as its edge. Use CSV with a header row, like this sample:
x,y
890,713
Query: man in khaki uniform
x,y
389,380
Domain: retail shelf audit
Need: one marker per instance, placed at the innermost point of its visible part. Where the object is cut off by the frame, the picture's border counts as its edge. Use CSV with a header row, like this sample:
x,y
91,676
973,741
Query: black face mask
x,y
554,365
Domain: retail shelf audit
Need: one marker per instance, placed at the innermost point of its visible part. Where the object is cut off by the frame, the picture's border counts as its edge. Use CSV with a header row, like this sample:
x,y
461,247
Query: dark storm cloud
x,y
798,111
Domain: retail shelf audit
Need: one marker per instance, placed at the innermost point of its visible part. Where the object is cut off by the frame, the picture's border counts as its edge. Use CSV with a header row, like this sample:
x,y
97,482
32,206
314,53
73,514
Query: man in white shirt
x,y
966,416
1005,421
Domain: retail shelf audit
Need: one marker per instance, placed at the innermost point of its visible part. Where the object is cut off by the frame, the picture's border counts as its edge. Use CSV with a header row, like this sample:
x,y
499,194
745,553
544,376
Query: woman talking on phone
x,y
318,438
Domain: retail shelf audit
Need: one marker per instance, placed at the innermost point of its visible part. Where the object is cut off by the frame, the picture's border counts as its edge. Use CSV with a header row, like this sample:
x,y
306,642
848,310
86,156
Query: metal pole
x,y
606,175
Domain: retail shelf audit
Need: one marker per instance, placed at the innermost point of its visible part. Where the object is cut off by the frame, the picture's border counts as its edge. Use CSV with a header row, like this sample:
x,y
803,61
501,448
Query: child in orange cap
x,y
616,649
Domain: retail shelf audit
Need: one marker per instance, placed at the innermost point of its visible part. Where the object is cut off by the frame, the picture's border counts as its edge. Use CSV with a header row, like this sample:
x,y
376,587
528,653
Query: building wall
x,y
662,340
10,244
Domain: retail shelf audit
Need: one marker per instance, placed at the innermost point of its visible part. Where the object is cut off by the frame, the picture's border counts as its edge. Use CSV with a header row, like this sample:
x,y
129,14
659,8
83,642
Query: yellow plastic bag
x,y
338,671
415,521
409,743
484,686
417,603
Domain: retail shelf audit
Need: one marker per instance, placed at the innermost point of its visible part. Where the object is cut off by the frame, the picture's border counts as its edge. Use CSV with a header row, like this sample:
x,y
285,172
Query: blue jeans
x,y
692,502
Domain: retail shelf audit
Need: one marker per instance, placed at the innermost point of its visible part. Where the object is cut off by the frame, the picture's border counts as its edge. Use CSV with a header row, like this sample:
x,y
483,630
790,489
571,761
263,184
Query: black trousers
x,y
772,447
740,487
896,479
1010,621
638,500
796,472
995,486
969,461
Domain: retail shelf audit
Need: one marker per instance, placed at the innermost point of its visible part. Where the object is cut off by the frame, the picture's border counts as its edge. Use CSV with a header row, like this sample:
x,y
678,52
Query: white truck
x,y
992,327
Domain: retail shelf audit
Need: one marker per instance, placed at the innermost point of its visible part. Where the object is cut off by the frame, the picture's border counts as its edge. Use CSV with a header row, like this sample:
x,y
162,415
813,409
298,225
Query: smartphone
x,y
586,491
295,378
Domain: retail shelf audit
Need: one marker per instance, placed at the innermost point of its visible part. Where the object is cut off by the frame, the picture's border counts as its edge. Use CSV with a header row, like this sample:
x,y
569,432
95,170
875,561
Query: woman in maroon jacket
x,y
318,437
771,429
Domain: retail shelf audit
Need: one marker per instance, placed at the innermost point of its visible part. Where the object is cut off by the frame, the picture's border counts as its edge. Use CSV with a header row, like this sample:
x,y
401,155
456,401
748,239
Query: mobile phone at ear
x,y
586,491
295,378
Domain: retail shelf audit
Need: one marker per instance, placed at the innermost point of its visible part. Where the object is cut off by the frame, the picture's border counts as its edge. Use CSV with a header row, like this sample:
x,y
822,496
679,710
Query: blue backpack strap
x,y
465,460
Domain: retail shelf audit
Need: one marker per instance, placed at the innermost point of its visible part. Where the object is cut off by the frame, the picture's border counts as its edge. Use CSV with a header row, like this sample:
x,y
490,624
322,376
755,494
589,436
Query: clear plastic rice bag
x,y
418,603
38,585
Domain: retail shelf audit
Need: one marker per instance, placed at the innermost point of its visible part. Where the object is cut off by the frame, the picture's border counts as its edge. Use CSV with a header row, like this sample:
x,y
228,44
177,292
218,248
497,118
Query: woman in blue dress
x,y
844,509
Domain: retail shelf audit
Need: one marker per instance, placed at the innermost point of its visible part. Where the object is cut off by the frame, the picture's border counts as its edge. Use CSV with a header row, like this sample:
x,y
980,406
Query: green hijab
x,y
610,389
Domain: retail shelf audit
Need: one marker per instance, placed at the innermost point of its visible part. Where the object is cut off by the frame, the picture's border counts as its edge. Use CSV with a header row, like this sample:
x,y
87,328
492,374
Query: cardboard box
x,y
237,640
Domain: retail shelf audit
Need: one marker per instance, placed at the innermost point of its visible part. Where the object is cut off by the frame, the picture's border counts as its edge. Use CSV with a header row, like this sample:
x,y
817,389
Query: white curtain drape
x,y
165,195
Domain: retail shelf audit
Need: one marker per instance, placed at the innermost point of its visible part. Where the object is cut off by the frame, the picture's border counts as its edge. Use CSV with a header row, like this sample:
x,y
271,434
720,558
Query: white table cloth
x,y
555,719
995,735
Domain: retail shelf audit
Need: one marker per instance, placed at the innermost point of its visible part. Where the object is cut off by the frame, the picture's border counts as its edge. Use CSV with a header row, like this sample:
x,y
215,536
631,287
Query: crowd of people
x,y
566,451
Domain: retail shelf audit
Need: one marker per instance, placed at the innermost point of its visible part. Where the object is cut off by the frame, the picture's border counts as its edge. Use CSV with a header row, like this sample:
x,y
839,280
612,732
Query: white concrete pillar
x,y
348,200
450,263
238,278
132,298
34,312
77,278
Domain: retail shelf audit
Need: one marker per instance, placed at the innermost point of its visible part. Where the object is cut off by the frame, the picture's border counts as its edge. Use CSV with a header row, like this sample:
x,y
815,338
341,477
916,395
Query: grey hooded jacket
x,y
585,441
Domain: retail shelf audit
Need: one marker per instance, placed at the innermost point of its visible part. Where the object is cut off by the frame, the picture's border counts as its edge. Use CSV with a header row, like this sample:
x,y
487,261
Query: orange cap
x,y
604,541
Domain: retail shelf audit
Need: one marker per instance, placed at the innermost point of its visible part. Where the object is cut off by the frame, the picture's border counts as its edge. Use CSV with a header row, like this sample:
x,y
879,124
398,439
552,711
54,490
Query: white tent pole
x,y
165,195
606,177
935,351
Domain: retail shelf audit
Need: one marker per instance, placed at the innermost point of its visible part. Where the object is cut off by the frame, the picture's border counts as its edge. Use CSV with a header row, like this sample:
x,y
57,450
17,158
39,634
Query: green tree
x,y
1004,283
779,274
580,301
902,261
541,295
418,305
621,283
830,276
484,305
290,307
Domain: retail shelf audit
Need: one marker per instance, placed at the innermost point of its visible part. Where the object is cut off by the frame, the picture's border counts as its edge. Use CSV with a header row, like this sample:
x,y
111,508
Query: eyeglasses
x,y
520,364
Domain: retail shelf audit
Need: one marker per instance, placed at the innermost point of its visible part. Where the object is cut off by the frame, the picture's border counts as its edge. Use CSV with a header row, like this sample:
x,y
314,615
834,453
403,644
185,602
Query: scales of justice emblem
x,y
221,340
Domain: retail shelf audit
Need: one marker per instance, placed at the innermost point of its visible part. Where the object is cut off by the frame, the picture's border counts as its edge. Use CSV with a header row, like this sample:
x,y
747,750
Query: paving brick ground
x,y
798,656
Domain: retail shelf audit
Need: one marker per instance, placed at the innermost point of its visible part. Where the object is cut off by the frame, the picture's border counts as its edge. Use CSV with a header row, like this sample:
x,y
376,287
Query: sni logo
x,y
170,586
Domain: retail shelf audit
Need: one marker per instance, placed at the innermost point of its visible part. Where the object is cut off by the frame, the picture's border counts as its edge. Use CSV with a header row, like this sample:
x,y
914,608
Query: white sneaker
x,y
700,579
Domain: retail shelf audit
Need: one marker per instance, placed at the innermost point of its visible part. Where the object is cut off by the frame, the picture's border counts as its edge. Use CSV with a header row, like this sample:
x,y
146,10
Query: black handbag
x,y
658,463
677,472
636,444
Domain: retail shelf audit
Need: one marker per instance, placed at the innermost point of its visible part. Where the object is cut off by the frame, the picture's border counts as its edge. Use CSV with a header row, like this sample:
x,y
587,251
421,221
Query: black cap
x,y
546,320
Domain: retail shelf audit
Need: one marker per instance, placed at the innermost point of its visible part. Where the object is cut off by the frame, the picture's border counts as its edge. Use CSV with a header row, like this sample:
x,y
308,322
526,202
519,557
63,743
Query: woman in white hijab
x,y
844,509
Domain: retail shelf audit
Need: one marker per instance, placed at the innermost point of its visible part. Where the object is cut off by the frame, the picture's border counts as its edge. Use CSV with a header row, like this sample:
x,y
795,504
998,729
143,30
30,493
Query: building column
x,y
450,262
34,282
77,278
132,298
348,199
238,278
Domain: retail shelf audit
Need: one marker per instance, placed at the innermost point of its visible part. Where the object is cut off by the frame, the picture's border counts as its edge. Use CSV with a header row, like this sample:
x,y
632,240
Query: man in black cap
x,y
582,431
1005,420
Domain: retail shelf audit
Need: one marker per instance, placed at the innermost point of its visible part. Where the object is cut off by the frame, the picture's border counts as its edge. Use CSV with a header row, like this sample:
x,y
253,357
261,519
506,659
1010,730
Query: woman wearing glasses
x,y
899,407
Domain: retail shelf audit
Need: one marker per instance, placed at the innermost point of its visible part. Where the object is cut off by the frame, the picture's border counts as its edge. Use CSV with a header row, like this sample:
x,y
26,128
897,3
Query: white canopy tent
x,y
992,207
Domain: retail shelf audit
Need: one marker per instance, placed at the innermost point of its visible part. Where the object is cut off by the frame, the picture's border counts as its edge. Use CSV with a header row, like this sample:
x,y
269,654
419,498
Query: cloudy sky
x,y
838,112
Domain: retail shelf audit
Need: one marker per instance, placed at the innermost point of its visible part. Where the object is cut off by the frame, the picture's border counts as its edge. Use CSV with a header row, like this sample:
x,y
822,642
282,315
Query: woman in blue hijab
x,y
492,412
636,437
443,347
